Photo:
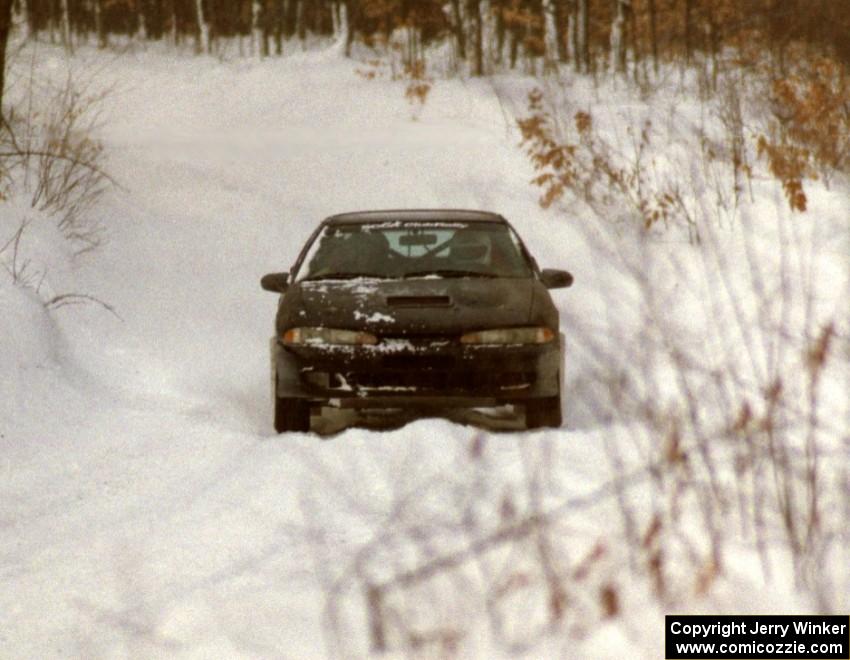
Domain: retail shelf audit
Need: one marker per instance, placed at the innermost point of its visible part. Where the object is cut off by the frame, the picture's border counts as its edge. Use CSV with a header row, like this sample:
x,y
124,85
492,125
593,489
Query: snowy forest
x,y
487,32
688,161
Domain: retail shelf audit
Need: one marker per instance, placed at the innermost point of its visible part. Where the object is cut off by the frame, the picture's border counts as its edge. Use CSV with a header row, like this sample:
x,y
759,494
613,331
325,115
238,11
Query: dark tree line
x,y
176,19
486,34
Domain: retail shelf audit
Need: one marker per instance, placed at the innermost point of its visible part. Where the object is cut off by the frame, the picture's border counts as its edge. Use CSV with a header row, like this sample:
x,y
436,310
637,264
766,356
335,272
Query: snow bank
x,y
148,509
30,337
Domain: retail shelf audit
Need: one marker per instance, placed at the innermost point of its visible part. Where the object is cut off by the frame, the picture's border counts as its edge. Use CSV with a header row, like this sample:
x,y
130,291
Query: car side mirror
x,y
556,279
276,282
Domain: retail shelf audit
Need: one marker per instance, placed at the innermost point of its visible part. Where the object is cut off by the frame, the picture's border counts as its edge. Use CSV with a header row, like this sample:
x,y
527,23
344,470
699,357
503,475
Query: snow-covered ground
x,y
147,509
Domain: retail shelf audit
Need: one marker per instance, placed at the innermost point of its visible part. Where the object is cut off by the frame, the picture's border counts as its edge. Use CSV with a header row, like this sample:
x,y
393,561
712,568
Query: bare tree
x,y
66,27
474,10
618,36
550,31
458,28
174,33
23,8
257,35
500,31
280,14
346,25
203,43
335,23
300,23
5,28
563,14
653,33
141,21
582,46
99,27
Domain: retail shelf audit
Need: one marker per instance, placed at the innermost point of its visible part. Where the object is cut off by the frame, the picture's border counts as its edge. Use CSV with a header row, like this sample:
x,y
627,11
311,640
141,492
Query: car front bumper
x,y
417,373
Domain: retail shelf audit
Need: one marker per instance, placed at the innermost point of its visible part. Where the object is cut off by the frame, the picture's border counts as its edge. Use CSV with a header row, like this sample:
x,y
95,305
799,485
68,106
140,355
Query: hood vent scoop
x,y
419,301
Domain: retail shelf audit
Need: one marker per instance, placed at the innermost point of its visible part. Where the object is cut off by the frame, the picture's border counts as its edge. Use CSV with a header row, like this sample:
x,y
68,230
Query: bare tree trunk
x,y
776,35
26,27
582,45
550,33
66,27
279,25
631,38
714,46
335,22
688,44
653,33
478,31
562,29
618,38
572,28
460,33
515,39
317,25
5,28
256,28
203,43
412,53
488,30
346,25
52,21
290,17
141,25
500,31
102,36
301,26
175,33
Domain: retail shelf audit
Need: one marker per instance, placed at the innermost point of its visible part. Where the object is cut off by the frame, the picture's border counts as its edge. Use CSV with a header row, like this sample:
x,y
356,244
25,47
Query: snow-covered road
x,y
146,507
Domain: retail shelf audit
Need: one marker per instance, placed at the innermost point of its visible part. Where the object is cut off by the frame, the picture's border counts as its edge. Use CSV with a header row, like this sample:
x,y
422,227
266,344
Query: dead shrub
x,y
727,409
812,112
418,85
594,170
50,156
50,159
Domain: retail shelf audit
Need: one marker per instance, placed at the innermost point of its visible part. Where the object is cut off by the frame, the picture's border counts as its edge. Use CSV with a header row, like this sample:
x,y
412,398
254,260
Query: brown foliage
x,y
813,110
419,83
610,601
790,165
589,169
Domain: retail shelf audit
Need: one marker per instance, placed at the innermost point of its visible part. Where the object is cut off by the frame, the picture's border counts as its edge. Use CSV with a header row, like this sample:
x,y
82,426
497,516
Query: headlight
x,y
509,336
324,336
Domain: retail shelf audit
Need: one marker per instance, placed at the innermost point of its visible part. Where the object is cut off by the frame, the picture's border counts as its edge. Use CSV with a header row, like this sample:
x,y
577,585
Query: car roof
x,y
415,215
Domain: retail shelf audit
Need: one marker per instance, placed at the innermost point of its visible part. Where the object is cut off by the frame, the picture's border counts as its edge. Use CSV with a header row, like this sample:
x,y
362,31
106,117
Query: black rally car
x,y
416,308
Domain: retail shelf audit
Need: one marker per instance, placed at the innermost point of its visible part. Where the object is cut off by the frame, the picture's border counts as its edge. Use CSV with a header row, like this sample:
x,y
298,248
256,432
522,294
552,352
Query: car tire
x,y
291,414
543,413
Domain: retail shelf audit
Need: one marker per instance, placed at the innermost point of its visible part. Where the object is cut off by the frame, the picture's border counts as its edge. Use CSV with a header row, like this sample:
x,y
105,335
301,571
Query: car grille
x,y
433,380
428,363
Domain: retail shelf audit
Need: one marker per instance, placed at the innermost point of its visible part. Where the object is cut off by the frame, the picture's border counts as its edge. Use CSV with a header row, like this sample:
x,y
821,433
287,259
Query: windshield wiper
x,y
345,276
449,272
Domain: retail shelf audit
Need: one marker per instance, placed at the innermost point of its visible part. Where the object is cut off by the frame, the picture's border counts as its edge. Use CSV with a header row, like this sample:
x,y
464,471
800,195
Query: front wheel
x,y
543,413
291,414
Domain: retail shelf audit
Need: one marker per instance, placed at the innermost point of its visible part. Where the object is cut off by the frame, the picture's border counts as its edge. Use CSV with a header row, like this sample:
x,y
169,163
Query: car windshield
x,y
414,249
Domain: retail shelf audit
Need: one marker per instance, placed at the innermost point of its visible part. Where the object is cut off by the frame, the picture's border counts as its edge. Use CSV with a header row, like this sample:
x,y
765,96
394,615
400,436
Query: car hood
x,y
417,306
